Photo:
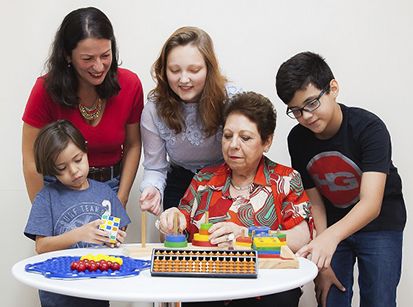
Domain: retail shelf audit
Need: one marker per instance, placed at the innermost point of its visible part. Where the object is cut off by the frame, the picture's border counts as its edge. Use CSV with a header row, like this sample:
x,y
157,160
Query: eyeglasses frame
x,y
291,115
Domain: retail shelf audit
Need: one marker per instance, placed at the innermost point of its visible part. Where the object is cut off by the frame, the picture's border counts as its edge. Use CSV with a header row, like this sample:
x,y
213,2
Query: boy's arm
x,y
367,209
89,233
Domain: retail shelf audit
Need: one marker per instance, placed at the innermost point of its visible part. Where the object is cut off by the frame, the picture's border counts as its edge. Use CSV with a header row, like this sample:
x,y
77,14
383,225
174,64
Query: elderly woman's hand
x,y
166,220
224,233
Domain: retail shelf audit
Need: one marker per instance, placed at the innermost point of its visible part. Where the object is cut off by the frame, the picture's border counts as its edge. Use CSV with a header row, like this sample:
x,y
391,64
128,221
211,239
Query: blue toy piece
x,y
175,241
175,238
258,230
59,268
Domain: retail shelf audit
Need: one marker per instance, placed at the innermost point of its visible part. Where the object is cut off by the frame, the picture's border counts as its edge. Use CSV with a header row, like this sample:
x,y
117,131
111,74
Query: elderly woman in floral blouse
x,y
247,190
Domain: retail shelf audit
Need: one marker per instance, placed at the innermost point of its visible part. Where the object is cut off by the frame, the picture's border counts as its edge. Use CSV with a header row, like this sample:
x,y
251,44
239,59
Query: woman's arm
x,y
317,210
34,180
130,161
155,162
297,236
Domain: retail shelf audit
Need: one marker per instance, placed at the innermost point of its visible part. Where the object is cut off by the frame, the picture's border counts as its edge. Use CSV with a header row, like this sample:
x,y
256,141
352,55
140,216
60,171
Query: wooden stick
x,y
143,228
206,217
176,219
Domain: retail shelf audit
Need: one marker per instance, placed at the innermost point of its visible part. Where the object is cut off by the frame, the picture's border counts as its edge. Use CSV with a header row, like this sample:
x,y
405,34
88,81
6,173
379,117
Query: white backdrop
x,y
368,45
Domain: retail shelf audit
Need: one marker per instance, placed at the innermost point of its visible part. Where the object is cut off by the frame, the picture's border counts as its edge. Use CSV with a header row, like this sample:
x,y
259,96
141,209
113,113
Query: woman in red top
x,y
247,190
84,85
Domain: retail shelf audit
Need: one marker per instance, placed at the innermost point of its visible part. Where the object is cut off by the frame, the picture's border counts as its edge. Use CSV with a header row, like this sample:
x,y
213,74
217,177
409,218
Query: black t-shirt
x,y
335,166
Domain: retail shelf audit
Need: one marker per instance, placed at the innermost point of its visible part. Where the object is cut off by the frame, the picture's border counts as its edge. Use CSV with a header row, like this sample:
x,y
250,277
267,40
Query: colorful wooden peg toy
x,y
202,237
176,239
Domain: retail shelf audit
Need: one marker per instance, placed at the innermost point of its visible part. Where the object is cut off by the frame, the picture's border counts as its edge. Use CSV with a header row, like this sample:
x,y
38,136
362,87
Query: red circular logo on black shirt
x,y
337,178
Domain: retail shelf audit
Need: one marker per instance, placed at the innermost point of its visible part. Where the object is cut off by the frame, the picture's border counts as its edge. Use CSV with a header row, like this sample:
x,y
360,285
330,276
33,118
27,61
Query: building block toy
x,y
243,242
176,239
272,249
202,237
257,230
111,226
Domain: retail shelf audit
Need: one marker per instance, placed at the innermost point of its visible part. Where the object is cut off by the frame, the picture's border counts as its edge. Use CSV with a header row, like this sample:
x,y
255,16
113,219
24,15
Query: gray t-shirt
x,y
58,209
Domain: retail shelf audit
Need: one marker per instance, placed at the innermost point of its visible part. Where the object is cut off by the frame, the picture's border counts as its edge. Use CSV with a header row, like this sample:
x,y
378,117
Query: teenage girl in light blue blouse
x,y
182,120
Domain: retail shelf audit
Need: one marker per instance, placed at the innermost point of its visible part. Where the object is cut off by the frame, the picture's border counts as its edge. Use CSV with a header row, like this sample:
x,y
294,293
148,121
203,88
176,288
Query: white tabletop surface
x,y
146,288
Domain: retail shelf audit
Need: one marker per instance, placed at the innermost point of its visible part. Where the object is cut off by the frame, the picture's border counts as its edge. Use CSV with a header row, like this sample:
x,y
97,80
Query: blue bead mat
x,y
59,268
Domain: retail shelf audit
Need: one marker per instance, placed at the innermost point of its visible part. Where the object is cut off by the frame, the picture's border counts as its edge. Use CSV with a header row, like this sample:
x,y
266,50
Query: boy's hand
x,y
323,282
321,249
150,200
91,233
120,238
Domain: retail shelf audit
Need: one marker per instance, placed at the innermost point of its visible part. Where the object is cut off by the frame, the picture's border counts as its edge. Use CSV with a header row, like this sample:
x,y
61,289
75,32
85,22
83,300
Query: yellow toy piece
x,y
199,237
99,257
267,242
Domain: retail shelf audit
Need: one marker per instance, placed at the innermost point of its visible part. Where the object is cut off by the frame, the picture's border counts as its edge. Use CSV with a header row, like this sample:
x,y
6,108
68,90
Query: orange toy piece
x,y
202,238
243,242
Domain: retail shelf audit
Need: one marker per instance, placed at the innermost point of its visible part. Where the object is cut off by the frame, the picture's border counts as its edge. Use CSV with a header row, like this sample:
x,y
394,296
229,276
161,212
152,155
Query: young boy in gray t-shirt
x,y
67,213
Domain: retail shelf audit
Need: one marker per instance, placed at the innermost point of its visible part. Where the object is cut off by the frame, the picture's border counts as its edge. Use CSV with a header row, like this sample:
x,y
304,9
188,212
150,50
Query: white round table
x,y
145,288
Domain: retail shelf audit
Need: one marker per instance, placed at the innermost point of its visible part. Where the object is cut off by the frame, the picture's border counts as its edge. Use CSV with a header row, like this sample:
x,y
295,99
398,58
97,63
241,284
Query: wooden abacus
x,y
204,263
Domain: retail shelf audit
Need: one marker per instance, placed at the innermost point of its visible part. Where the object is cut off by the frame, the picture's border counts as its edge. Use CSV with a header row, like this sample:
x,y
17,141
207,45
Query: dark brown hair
x,y
61,80
51,141
256,108
212,99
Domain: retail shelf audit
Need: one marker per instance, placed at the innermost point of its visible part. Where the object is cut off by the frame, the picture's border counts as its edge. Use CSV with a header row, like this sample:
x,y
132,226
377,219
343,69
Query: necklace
x,y
241,188
93,112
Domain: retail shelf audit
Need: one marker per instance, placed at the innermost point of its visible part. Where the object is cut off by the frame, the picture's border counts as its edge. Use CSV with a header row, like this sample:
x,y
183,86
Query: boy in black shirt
x,y
344,157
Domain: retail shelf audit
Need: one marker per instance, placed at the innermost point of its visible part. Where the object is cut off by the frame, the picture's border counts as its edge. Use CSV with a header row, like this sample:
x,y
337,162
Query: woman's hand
x,y
224,233
166,220
323,282
150,200
91,233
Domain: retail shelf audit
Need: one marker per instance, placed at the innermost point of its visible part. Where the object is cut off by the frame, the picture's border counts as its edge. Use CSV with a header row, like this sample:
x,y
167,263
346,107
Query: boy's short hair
x,y
51,141
299,71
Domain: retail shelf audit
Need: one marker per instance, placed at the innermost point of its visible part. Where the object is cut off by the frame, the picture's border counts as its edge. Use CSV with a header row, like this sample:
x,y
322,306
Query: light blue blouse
x,y
190,148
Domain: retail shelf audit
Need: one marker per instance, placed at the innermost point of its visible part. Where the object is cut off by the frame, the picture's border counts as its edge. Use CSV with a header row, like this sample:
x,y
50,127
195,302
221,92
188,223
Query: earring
x,y
69,65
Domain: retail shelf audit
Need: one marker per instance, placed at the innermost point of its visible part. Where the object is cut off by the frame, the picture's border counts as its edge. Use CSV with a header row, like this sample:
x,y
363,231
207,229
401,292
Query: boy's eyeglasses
x,y
310,106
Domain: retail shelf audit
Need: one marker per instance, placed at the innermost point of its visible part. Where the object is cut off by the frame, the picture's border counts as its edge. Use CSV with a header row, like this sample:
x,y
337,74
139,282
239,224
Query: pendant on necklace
x,y
93,112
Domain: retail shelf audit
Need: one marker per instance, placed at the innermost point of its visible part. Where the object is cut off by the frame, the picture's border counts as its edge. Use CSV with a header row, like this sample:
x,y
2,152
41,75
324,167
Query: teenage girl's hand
x,y
166,220
91,233
150,200
224,233
323,282
321,249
